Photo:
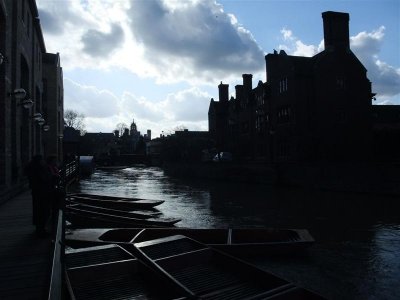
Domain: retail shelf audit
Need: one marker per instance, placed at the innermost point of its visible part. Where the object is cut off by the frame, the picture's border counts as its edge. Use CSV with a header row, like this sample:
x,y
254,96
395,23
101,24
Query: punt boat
x,y
114,202
111,168
236,241
202,272
139,214
109,272
84,218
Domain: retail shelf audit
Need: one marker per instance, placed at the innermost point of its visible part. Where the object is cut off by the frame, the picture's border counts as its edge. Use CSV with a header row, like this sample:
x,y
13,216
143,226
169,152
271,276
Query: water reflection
x,y
358,235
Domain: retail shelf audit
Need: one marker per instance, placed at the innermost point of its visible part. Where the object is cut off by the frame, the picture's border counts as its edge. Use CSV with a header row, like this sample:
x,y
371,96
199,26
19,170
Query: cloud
x,y
189,105
98,44
197,38
89,100
171,41
103,109
385,78
294,46
50,23
367,46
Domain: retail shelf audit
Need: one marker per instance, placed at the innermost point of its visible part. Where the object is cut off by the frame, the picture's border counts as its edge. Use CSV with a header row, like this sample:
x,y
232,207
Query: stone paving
x,y
25,259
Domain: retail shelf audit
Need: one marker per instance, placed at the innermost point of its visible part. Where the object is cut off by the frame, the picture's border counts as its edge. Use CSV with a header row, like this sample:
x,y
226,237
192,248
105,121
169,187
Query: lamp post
x,y
41,121
18,93
27,103
21,94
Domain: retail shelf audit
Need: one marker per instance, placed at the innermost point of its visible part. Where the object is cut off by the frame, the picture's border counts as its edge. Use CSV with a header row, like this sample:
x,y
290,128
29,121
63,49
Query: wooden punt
x,y
206,273
139,214
115,202
236,241
105,197
109,272
86,218
111,168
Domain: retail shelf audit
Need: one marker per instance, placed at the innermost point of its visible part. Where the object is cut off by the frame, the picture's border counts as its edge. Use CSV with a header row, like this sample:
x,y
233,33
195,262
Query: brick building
x,y
310,109
22,103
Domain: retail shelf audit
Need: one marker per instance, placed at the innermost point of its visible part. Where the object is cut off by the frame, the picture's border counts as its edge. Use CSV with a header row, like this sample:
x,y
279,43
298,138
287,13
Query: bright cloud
x,y
294,46
89,100
103,109
171,41
385,78
196,39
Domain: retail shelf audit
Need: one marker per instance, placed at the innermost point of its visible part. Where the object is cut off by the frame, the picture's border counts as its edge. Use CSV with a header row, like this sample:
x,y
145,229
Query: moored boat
x,y
237,241
139,214
111,168
114,202
206,273
80,217
109,272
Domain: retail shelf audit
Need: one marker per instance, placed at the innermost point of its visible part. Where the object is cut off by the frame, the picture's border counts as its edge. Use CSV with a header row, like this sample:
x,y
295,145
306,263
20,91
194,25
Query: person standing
x,y
56,191
40,183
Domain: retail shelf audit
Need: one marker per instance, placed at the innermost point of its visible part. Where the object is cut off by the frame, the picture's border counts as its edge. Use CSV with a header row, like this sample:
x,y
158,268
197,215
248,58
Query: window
x,y
285,114
283,85
28,24
340,83
23,11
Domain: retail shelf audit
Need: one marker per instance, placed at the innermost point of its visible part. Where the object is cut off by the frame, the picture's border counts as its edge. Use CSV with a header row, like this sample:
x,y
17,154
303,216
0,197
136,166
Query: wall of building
x,y
22,45
53,108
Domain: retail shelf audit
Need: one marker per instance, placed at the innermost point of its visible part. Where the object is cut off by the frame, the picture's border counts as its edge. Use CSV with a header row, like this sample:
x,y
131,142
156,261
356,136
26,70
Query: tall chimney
x,y
223,92
247,82
239,92
336,30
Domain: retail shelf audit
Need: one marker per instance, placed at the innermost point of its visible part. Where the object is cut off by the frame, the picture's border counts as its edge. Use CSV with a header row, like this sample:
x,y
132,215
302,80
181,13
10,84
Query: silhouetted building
x,y
22,133
310,109
386,132
71,137
53,104
181,146
98,144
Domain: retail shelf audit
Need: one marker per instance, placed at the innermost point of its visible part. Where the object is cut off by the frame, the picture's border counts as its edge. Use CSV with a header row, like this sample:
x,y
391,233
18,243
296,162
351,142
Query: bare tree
x,y
121,128
180,128
75,120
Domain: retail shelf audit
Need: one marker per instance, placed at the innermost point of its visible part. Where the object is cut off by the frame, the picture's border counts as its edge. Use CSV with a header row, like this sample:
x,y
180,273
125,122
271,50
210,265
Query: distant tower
x,y
149,134
133,128
336,30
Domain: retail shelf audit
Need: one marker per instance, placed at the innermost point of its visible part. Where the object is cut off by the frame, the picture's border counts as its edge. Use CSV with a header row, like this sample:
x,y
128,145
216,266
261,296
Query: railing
x,y
57,272
70,173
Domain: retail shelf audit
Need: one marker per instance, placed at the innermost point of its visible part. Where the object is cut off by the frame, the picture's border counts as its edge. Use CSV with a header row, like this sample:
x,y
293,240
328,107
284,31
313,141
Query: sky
x,y
159,62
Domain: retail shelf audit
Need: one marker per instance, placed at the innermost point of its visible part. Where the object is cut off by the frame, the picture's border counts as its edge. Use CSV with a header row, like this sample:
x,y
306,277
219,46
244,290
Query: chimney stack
x,y
247,82
239,92
223,92
336,30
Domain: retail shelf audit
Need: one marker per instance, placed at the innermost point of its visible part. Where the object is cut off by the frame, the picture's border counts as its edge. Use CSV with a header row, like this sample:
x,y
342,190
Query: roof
x,y
51,58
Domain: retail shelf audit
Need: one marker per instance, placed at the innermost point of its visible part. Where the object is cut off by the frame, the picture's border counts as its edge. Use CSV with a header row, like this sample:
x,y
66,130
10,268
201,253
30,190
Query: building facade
x,y
53,105
310,109
22,100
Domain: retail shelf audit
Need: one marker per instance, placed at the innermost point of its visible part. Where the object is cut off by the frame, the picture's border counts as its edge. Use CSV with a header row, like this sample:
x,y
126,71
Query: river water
x,y
357,249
